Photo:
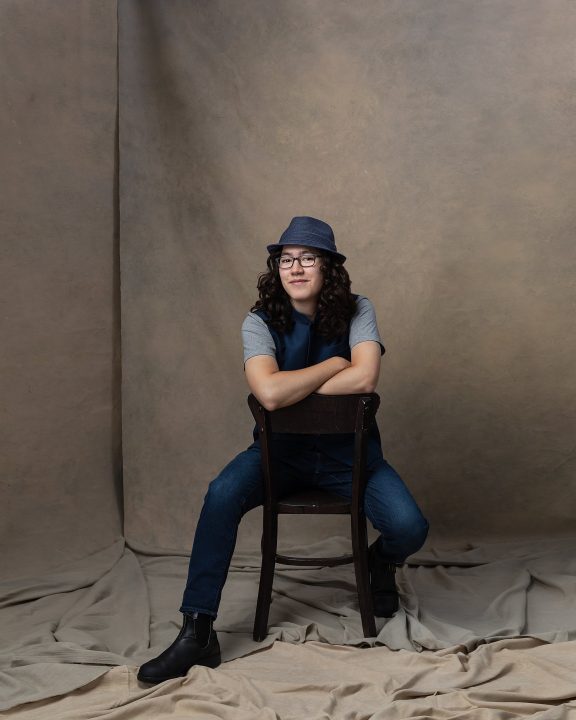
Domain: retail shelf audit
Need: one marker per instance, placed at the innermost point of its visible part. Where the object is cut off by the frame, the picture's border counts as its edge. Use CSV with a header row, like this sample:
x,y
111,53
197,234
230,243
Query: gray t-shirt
x,y
258,340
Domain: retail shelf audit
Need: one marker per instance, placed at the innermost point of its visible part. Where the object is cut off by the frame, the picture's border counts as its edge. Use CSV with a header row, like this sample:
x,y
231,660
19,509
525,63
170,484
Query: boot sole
x,y
212,662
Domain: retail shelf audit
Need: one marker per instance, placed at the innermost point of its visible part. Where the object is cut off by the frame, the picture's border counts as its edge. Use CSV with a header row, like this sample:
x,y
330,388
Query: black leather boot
x,y
382,582
196,644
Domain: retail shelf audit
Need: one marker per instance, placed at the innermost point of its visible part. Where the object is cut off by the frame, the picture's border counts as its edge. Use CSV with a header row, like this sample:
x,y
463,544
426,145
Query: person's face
x,y
302,284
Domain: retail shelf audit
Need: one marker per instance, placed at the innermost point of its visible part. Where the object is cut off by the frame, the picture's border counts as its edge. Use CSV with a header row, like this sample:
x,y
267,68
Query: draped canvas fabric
x,y
151,149
473,630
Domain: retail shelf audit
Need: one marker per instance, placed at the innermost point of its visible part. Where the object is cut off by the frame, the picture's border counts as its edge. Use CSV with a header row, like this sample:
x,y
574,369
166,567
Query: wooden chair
x,y
316,414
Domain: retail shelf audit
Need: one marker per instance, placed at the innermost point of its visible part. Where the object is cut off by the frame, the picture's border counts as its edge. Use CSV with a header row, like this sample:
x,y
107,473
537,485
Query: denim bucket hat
x,y
308,231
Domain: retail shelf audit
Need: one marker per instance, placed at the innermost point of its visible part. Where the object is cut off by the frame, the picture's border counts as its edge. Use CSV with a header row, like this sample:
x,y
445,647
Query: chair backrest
x,y
319,414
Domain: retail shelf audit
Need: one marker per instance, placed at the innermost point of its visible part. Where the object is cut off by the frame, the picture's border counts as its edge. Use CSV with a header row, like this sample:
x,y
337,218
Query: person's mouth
x,y
298,282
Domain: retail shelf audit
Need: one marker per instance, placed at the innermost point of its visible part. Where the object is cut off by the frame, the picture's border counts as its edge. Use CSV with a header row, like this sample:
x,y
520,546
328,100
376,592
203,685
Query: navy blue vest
x,y
301,347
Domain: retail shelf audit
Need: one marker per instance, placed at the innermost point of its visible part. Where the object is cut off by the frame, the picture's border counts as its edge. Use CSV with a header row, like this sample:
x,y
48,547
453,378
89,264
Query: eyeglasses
x,y
285,262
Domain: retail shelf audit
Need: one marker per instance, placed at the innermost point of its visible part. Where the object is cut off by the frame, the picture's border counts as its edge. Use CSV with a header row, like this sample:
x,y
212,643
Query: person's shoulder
x,y
254,320
256,337
363,304
364,325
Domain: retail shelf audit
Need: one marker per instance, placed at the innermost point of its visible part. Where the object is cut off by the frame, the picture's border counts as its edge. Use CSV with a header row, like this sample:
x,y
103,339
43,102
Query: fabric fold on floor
x,y
63,631
513,678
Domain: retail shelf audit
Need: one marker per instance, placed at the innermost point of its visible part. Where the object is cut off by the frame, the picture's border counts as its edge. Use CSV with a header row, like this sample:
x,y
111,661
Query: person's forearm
x,y
349,381
287,387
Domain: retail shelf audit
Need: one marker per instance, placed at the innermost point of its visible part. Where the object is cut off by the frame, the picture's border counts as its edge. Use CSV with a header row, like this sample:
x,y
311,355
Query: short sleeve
x,y
363,325
256,337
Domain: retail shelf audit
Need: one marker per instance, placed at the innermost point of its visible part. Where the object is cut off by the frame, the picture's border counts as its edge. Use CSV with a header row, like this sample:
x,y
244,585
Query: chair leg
x,y
269,542
360,551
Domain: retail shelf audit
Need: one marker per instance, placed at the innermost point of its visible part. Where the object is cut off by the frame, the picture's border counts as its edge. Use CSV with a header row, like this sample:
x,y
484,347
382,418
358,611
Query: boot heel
x,y
212,662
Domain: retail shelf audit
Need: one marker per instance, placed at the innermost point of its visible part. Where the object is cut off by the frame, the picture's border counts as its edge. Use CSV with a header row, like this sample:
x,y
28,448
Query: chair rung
x,y
285,509
314,562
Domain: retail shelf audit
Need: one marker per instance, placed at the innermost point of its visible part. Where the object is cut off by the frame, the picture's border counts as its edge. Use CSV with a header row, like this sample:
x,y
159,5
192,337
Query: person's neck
x,y
306,307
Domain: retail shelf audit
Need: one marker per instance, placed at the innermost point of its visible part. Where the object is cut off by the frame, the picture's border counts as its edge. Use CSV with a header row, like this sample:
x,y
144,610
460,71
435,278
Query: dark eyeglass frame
x,y
283,258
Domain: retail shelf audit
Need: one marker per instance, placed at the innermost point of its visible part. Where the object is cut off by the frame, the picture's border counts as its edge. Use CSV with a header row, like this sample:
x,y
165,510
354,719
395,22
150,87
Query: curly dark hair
x,y
336,304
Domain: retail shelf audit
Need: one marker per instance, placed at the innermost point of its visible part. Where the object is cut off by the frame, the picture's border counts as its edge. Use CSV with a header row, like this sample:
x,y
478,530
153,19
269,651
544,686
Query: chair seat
x,y
314,502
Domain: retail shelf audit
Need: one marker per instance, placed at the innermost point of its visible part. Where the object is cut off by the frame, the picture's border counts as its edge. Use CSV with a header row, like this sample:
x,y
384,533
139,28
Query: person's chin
x,y
297,290
301,292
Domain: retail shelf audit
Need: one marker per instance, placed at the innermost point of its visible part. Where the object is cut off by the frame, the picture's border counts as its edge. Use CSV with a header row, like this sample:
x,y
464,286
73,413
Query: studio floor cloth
x,y
486,631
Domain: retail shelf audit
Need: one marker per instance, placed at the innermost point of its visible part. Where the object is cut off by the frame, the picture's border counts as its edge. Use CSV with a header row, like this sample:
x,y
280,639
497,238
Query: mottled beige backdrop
x,y
140,183
60,435
436,137
438,140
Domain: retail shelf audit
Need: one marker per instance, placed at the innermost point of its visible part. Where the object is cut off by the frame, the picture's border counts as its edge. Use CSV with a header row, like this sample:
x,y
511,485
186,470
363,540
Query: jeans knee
x,y
408,533
236,488
414,535
422,529
222,494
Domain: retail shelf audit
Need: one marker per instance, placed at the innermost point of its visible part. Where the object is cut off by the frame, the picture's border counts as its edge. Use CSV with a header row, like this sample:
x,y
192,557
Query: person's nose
x,y
297,269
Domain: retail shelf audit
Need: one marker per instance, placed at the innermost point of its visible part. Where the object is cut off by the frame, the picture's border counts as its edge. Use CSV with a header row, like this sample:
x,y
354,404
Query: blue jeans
x,y
238,488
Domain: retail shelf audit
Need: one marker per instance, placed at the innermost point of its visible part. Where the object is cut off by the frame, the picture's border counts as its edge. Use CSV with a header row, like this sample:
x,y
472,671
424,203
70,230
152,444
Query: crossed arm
x,y
277,388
